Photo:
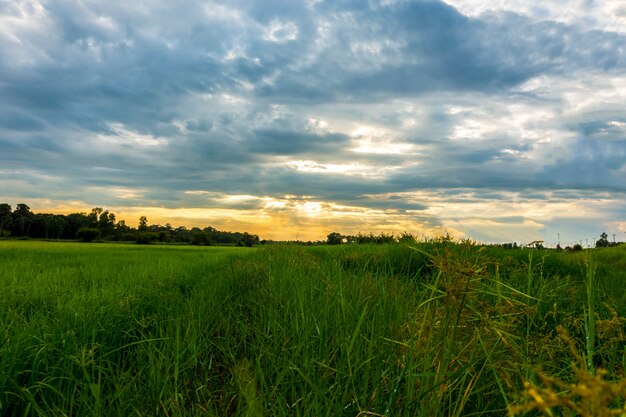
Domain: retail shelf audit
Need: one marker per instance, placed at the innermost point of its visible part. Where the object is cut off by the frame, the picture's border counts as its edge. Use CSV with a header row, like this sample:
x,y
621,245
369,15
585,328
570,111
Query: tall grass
x,y
435,329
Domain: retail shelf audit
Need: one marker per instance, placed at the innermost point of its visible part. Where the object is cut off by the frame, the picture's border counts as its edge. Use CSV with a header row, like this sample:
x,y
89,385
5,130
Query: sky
x,y
487,119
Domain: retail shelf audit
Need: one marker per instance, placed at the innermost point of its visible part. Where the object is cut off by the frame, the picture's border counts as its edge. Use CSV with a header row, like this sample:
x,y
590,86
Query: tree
x,y
53,226
5,217
106,223
74,222
94,216
249,240
603,242
48,223
334,238
58,225
143,224
24,218
120,230
199,237
144,238
88,234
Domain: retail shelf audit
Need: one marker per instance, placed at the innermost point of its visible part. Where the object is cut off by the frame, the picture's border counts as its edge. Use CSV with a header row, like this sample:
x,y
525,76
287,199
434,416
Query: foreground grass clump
x,y
433,329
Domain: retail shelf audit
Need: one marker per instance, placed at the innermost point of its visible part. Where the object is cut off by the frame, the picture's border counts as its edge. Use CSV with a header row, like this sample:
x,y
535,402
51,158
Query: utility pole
x,y
613,237
587,242
559,238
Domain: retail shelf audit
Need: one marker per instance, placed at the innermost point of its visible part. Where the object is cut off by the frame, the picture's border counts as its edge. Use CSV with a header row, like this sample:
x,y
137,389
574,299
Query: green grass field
x,y
436,329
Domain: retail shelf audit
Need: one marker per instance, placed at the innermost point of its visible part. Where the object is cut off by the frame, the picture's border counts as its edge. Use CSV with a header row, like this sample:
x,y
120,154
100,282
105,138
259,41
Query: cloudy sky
x,y
491,119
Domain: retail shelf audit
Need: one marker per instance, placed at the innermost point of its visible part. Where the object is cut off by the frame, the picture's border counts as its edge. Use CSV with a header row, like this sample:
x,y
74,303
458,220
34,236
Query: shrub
x,y
87,234
144,238
128,237
200,238
164,236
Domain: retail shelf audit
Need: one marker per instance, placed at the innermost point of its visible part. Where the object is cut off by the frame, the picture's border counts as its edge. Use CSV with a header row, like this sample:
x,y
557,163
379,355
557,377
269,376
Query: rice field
x,y
433,329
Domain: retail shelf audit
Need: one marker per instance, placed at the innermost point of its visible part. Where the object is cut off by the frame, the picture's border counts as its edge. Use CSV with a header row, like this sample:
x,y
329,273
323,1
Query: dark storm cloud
x,y
128,63
611,130
592,164
587,165
422,46
275,181
281,142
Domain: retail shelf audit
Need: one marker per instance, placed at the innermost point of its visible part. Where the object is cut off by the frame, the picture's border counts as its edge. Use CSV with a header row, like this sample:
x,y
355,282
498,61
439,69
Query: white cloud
x,y
370,140
339,169
281,32
121,135
607,15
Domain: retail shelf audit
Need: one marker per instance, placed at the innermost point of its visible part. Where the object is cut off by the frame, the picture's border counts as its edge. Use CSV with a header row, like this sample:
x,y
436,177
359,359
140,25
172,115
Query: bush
x,y
87,234
144,238
164,236
199,238
128,237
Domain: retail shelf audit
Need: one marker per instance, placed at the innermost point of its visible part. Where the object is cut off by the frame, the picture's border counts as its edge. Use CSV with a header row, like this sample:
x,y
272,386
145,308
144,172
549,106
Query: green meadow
x,y
431,329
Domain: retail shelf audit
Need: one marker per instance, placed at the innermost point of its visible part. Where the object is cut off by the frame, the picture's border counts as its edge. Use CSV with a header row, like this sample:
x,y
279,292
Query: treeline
x,y
100,224
336,238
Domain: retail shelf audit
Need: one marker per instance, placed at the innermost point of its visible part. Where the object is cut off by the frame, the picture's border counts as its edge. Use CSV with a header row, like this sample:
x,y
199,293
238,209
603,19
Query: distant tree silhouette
x,y
94,215
23,218
88,234
334,238
143,224
603,242
199,237
5,217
